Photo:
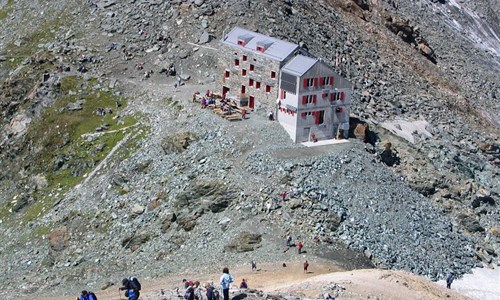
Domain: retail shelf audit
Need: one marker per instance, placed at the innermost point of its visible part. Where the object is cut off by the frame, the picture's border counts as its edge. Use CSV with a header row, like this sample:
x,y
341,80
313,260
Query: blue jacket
x,y
132,294
225,280
88,297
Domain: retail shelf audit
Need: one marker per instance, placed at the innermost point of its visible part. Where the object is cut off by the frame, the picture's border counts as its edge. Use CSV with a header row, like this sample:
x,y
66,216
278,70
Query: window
x,y
273,74
243,89
325,81
250,82
268,88
237,62
257,85
308,82
241,43
282,94
261,49
226,74
244,58
252,67
319,117
243,72
308,99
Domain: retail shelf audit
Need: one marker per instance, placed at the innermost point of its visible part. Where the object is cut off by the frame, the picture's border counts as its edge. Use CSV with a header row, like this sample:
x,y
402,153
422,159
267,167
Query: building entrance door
x,y
251,102
305,137
225,89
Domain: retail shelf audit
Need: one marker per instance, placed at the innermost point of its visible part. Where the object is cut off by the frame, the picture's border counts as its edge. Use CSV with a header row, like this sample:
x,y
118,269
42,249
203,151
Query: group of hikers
x,y
130,285
194,292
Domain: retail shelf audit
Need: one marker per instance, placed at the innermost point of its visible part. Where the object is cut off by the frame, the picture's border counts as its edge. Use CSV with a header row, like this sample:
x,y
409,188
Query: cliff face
x,y
105,168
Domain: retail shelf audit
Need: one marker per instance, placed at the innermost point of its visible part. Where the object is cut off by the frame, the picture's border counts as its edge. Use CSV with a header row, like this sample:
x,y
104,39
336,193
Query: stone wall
x,y
262,68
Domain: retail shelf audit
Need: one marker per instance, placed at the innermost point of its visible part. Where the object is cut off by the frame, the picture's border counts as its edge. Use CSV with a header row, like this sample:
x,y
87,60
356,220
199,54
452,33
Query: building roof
x,y
299,65
273,48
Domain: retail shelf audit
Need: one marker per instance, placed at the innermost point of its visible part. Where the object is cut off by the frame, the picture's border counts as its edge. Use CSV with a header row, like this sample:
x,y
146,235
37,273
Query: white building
x,y
314,101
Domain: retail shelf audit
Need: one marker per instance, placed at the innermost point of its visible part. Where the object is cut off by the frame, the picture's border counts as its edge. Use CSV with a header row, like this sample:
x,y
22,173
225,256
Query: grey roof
x,y
299,65
275,48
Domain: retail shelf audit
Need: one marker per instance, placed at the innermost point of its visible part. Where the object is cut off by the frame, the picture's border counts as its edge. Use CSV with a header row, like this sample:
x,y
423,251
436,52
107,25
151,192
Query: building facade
x,y
314,101
250,64
311,101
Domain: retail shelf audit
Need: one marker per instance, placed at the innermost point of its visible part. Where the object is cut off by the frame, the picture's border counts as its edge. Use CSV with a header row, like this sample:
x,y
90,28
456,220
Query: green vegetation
x,y
7,9
65,145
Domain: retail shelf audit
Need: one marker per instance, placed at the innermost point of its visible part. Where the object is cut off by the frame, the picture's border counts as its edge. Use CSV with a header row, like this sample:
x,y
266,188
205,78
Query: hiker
x,y
283,196
197,291
299,247
189,292
87,296
132,288
449,280
243,113
306,265
270,116
254,265
289,241
243,284
225,282
212,293
185,283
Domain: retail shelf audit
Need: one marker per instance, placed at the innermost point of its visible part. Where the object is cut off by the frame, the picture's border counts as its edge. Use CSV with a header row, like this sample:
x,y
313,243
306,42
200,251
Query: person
x,y
86,296
306,265
197,291
189,292
225,282
289,241
271,116
185,283
283,196
175,87
243,113
243,284
449,280
130,291
299,247
254,265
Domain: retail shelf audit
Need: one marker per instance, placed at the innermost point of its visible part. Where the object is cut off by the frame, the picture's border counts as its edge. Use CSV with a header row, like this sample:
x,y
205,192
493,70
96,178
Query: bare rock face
x,y
178,142
244,242
134,242
59,238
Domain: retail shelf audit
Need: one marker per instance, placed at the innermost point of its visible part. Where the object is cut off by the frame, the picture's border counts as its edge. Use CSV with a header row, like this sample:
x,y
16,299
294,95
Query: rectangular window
x,y
244,58
252,67
282,94
268,88
321,117
261,49
308,99
243,89
241,43
257,85
237,62
273,74
326,80
310,82
250,82
243,72
226,74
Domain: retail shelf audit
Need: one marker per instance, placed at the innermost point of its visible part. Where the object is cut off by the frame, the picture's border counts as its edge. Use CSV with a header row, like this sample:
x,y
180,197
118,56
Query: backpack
x,y
92,296
189,294
134,283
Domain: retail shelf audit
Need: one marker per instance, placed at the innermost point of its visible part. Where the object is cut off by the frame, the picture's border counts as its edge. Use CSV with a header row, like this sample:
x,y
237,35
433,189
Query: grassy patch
x,y
7,9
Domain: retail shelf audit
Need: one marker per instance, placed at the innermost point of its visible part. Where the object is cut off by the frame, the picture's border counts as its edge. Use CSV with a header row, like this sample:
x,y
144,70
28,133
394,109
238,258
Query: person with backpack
x,y
306,265
449,280
197,291
189,292
212,293
225,282
243,284
132,288
87,296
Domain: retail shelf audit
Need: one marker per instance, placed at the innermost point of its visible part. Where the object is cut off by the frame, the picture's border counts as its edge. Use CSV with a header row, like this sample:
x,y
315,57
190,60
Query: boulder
x,y
244,242
167,222
59,238
134,242
136,210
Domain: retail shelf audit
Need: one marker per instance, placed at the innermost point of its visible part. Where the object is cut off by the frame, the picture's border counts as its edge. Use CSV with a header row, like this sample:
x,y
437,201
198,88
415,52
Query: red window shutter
x,y
282,94
316,81
322,81
331,80
316,117
304,115
304,100
314,99
325,95
332,95
341,95
305,82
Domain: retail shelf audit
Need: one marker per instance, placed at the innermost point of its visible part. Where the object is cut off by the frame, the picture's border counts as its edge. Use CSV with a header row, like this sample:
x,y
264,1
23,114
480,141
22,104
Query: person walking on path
x,y
225,282
306,265
449,280
289,241
243,113
299,247
254,266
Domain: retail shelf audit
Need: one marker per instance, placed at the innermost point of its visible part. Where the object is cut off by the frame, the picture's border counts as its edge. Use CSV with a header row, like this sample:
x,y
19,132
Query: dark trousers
x,y
225,294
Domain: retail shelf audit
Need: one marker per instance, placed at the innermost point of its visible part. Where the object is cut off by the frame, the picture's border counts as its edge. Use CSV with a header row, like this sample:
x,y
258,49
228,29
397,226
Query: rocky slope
x,y
105,170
